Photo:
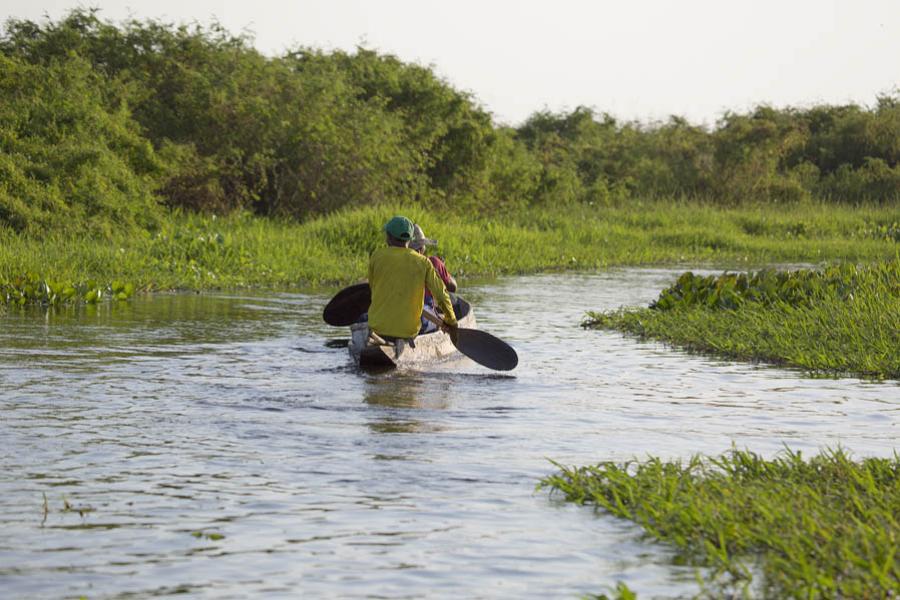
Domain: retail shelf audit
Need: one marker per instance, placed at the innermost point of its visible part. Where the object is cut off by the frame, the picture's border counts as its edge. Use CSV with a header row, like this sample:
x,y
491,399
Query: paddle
x,y
482,347
347,305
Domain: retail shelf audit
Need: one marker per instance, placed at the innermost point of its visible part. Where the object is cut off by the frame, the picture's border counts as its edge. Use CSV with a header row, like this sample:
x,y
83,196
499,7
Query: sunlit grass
x,y
839,320
784,528
203,252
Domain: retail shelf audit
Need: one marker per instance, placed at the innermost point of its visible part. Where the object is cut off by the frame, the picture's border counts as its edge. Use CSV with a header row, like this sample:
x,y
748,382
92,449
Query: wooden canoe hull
x,y
429,347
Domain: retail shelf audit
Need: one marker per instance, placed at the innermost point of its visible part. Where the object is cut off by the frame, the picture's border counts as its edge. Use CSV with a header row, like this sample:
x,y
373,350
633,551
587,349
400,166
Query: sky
x,y
635,59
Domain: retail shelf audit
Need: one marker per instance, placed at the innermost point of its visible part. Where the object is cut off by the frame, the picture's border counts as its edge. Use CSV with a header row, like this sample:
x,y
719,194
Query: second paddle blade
x,y
486,349
347,305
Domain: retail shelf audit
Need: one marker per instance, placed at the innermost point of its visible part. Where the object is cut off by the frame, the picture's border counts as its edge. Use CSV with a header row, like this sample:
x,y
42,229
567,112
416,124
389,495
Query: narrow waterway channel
x,y
216,444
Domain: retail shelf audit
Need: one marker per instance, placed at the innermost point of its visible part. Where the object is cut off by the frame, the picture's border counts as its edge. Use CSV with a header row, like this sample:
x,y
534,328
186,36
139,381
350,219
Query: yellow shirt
x,y
397,278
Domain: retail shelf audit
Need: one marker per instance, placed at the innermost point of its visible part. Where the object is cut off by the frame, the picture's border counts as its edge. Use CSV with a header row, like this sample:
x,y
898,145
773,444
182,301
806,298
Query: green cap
x,y
400,228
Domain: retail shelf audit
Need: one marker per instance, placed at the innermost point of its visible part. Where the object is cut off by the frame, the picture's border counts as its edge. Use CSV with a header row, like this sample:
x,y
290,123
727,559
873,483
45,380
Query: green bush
x,y
67,161
874,180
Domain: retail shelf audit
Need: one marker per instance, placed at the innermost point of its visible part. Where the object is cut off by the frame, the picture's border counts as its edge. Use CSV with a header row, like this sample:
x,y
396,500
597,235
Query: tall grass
x,y
820,528
201,252
839,320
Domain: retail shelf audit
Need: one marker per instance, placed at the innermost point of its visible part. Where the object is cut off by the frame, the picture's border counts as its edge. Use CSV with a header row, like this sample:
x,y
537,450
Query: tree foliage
x,y
103,122
65,159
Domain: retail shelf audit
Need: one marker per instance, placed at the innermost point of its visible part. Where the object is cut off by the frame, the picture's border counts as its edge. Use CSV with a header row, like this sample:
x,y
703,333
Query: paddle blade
x,y
485,349
347,305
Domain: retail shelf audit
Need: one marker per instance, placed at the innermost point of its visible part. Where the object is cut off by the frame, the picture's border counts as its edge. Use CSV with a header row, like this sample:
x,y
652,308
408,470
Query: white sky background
x,y
636,59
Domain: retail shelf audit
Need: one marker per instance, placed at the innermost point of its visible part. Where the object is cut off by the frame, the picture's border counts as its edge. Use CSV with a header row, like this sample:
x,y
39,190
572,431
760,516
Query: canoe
x,y
369,350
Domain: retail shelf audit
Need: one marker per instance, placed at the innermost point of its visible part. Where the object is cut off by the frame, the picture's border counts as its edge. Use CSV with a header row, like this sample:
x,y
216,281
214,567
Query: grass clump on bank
x,y
786,527
843,319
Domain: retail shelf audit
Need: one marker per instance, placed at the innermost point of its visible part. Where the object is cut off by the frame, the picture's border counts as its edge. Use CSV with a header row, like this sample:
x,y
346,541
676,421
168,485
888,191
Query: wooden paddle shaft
x,y
433,318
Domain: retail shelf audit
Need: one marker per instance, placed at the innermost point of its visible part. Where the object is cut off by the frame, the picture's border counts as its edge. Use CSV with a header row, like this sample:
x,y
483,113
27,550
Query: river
x,y
221,445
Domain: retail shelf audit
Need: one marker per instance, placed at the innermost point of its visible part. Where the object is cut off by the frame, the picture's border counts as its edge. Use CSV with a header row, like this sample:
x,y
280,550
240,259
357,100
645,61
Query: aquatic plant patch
x,y
842,319
32,289
803,287
784,527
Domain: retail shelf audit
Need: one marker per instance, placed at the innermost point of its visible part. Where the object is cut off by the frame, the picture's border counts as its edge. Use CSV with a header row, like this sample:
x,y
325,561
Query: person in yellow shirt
x,y
398,277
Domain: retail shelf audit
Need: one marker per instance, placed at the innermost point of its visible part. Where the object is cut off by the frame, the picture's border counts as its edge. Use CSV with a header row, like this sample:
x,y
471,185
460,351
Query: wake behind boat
x,y
368,349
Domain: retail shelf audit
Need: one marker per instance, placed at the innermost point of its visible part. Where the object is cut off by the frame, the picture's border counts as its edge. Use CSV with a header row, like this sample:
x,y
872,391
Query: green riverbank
x,y
781,528
189,251
843,319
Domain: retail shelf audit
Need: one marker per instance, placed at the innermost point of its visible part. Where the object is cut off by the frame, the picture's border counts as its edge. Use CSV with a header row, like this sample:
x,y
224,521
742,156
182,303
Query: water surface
x,y
218,445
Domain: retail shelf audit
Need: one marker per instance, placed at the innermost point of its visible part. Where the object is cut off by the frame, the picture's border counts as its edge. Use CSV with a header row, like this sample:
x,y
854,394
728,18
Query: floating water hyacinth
x,y
33,289
797,288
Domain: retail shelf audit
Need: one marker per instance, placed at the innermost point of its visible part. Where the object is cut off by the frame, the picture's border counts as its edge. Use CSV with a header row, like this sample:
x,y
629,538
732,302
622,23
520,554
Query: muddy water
x,y
218,445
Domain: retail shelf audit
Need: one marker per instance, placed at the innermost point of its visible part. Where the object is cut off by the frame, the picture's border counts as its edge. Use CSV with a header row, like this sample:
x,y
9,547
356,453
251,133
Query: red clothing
x,y
442,272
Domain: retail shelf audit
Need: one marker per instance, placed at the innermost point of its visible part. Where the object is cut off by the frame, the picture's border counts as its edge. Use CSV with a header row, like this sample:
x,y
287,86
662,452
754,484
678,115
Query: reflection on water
x,y
223,445
387,391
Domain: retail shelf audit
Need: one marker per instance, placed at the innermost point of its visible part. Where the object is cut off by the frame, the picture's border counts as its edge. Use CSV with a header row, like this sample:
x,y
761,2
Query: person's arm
x,y
441,269
435,285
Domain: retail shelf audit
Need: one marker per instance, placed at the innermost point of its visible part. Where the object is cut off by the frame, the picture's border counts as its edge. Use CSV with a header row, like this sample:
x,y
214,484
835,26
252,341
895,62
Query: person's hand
x,y
448,328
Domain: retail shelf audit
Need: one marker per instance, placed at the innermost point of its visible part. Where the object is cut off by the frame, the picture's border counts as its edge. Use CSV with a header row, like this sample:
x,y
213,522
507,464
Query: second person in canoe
x,y
420,243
